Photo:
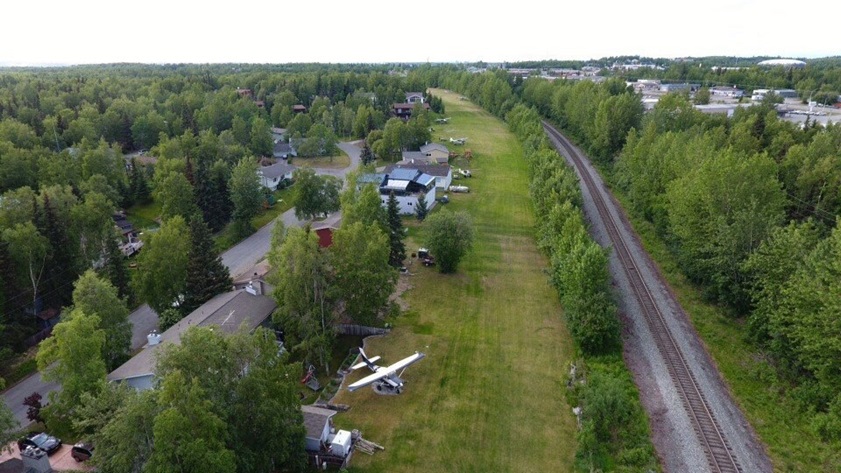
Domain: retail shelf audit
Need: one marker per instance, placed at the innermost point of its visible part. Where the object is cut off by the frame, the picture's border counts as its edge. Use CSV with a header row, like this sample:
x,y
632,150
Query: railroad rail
x,y
719,454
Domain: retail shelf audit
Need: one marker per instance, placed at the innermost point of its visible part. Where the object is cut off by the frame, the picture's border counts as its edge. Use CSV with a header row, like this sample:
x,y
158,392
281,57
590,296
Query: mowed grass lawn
x,y
489,396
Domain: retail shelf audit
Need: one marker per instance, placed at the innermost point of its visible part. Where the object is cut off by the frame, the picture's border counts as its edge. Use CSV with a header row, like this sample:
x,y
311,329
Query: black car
x,y
82,451
44,441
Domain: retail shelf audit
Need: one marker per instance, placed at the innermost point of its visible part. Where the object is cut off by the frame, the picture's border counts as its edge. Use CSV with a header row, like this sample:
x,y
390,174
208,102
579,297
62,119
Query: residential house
x,y
404,110
283,150
130,243
442,173
246,93
431,153
226,311
299,108
413,97
272,176
407,184
436,153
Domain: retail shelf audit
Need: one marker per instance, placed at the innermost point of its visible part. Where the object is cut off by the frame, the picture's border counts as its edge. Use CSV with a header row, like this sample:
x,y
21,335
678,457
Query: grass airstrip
x,y
489,396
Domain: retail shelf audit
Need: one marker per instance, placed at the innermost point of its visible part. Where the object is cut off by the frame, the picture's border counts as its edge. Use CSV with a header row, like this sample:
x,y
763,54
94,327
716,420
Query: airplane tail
x,y
364,358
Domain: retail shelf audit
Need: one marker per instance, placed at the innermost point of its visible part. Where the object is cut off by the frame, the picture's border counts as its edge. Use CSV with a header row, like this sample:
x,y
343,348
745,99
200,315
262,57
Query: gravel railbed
x,y
673,436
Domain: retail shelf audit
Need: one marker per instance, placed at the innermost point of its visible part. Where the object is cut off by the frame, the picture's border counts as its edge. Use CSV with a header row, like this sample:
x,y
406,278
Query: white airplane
x,y
385,379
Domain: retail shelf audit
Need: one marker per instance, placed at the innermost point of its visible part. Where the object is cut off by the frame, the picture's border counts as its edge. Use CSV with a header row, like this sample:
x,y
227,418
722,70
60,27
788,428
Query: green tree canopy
x,y
363,278
315,194
449,237
73,358
246,195
95,296
162,266
175,194
302,295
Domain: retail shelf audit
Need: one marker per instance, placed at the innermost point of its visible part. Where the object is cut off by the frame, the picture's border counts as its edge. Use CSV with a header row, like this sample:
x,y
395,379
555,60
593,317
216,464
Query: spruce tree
x,y
116,270
61,263
207,276
421,210
396,234
366,155
138,183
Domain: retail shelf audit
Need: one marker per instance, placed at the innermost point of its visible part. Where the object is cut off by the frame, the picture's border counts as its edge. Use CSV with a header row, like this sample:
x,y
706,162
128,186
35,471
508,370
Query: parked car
x,y
82,451
44,441
444,199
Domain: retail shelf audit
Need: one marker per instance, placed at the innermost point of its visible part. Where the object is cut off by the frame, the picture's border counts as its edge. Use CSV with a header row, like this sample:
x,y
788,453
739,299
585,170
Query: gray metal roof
x,y
277,169
424,179
426,168
228,311
376,178
403,174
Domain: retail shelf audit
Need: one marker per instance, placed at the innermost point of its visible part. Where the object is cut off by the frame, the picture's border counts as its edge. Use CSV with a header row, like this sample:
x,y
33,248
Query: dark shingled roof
x,y
227,311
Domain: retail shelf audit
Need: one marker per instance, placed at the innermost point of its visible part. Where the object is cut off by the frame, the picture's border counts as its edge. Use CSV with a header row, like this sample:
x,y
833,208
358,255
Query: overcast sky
x,y
281,31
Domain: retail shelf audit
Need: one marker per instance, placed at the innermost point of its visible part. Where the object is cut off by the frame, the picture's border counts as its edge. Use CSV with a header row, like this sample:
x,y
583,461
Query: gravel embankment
x,y
677,445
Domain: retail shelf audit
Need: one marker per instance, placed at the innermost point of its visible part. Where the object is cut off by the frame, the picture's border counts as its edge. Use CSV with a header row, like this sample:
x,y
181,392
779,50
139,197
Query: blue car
x,y
41,440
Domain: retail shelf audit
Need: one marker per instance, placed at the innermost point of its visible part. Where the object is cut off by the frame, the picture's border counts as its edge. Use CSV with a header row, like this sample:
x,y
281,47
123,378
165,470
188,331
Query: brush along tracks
x,y
713,441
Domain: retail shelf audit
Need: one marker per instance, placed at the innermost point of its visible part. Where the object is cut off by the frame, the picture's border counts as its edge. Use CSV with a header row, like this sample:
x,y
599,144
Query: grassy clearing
x,y
490,394
144,216
791,443
339,161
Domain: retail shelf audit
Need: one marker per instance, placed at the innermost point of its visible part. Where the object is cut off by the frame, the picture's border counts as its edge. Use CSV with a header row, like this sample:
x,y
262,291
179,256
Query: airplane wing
x,y
363,364
385,372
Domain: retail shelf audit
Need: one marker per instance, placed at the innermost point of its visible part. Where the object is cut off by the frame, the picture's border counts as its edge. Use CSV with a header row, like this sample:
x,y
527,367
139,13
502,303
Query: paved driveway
x,y
239,260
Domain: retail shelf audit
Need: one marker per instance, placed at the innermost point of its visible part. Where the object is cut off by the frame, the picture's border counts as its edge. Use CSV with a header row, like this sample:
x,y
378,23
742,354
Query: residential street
x,y
239,260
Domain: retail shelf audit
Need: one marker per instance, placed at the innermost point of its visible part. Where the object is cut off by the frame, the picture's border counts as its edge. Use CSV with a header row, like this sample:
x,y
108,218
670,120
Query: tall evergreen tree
x,y
61,263
116,270
139,184
366,155
395,233
207,276
421,210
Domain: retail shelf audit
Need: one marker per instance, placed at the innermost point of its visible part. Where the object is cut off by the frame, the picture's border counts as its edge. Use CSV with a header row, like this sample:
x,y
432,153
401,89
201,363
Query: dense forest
x,y
65,135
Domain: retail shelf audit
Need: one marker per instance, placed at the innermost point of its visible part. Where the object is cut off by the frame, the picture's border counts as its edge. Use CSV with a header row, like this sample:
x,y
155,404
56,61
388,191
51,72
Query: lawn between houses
x,y
489,396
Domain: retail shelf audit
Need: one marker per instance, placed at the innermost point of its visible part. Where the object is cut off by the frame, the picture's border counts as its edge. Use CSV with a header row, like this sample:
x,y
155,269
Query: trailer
x,y
459,189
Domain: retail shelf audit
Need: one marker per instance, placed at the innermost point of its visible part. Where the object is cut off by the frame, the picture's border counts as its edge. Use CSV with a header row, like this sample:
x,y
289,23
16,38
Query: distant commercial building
x,y
732,92
759,94
679,87
787,63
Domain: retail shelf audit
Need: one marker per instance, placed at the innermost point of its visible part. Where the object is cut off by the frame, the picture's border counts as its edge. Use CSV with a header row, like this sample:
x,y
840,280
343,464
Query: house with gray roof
x,y
442,173
283,150
228,312
407,184
436,153
272,176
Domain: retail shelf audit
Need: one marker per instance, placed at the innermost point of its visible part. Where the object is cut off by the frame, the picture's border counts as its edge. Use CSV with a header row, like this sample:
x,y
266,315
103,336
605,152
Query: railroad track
x,y
719,454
